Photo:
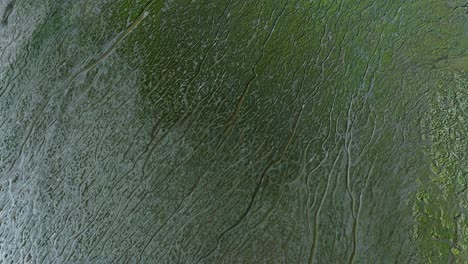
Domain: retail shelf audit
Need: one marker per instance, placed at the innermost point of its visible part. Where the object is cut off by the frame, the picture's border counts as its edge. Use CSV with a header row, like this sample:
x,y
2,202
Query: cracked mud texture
x,y
232,131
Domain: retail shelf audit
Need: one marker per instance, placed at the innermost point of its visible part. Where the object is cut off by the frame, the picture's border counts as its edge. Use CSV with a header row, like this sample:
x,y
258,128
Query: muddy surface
x,y
233,131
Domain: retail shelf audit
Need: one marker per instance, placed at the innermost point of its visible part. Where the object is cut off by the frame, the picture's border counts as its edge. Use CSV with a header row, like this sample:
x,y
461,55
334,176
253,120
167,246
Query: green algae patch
x,y
442,201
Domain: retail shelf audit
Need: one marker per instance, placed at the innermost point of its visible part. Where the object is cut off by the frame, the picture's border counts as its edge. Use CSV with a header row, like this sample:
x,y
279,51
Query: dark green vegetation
x,y
233,131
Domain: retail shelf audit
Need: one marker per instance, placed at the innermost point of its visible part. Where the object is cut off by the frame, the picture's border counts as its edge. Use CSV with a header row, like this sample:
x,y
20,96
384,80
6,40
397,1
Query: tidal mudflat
x,y
233,131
